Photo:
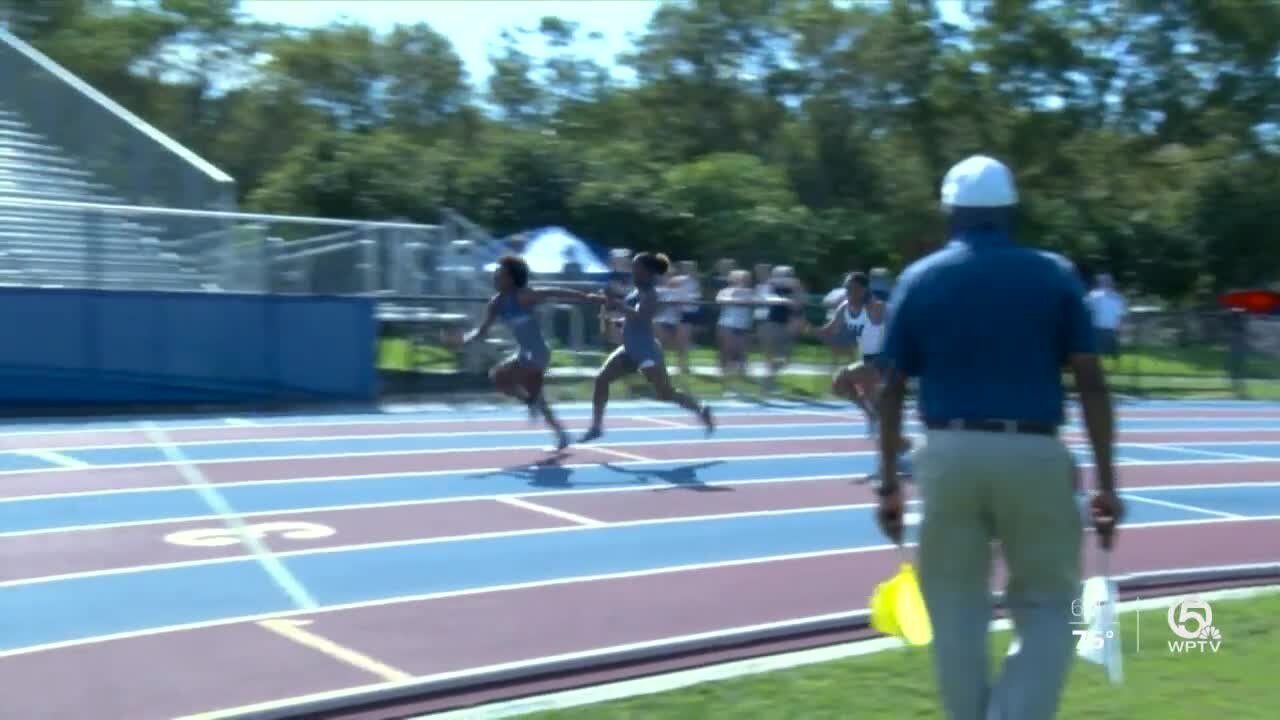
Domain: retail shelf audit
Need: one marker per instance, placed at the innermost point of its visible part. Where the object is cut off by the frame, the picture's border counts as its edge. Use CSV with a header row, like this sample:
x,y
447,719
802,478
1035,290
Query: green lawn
x,y
1237,682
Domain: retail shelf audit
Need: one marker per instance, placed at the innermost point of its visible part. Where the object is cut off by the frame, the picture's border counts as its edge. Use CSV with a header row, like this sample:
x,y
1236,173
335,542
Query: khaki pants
x,y
1019,490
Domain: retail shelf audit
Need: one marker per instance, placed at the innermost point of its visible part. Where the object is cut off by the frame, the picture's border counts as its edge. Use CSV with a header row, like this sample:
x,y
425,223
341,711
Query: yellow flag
x,y
898,609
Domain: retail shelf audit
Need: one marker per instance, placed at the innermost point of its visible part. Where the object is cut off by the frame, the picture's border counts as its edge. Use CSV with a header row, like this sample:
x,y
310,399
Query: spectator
x,y
685,286
734,324
784,317
1108,310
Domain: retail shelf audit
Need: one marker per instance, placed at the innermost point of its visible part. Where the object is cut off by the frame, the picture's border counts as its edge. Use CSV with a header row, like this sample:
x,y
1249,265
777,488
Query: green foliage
x,y
808,132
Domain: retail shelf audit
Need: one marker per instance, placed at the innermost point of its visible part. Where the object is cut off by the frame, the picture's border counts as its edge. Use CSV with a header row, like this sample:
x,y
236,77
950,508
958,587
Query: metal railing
x,y
134,247
141,164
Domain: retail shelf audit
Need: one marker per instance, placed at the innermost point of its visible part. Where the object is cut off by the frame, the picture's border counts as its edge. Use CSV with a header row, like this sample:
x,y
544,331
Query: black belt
x,y
1020,427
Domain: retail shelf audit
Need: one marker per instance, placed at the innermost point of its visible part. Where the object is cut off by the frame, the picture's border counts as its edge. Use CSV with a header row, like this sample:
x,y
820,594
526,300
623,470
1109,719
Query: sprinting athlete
x,y
850,321
640,349
522,375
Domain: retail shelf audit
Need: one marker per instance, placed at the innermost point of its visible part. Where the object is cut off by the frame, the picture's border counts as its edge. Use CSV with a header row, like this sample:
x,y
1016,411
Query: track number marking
x,y
224,536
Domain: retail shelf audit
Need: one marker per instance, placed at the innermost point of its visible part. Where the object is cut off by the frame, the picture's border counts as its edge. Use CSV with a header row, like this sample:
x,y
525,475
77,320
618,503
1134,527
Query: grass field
x,y
1237,682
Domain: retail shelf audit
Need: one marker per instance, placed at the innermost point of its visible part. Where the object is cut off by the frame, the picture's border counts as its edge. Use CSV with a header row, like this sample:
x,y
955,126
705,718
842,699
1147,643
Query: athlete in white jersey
x,y
861,318
850,322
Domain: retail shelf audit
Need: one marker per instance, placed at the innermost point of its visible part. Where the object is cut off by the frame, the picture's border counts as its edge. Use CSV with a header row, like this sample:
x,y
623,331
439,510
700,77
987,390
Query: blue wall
x,y
94,347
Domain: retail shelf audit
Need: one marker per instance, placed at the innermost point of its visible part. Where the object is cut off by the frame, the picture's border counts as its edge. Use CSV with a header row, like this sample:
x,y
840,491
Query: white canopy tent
x,y
549,250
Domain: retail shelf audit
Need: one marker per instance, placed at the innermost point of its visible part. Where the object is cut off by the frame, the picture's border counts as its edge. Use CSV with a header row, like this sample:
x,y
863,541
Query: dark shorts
x,y
1107,342
669,326
690,318
641,355
736,332
533,359
876,360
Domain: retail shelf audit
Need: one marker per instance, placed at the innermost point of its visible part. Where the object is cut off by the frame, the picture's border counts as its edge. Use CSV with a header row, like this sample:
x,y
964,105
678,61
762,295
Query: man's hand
x,y
1106,510
889,515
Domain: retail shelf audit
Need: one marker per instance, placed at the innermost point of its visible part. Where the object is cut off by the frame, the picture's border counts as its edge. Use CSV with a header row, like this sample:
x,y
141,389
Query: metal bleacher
x,y
68,247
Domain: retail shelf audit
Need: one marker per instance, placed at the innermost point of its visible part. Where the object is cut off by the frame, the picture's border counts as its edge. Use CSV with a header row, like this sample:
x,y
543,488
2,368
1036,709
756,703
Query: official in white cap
x,y
987,326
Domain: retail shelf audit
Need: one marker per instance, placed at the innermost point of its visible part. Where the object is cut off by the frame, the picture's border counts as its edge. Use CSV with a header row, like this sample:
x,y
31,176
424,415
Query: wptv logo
x,y
1191,620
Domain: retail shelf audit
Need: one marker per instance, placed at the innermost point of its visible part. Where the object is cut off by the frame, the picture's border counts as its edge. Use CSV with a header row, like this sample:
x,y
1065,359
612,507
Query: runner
x,y
850,321
522,375
640,349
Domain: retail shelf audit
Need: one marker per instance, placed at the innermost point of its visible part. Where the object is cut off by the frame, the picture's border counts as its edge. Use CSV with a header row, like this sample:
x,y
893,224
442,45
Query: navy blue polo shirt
x,y
986,325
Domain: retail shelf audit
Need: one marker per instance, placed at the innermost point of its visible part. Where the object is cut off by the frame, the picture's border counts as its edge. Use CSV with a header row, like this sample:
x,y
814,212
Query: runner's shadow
x,y
548,474
684,477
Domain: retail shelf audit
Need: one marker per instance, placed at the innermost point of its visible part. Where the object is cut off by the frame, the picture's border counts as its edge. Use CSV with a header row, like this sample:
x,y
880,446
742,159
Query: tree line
x,y
807,132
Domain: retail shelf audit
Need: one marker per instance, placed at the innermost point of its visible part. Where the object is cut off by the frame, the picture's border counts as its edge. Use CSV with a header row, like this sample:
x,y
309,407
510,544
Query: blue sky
x,y
475,27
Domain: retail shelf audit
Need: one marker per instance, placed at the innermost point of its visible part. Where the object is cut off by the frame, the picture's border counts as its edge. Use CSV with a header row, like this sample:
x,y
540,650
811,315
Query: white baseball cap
x,y
979,182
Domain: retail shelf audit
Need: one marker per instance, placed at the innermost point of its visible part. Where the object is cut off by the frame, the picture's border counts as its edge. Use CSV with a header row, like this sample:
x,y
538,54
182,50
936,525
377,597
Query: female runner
x,y
522,375
640,349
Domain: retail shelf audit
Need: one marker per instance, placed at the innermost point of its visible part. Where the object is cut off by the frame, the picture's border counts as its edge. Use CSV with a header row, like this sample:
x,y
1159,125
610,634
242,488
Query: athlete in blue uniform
x,y
640,348
521,376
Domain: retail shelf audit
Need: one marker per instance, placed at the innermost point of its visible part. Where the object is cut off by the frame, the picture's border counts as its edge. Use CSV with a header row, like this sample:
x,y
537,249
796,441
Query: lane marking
x,y
535,584
663,410
469,472
1072,433
216,502
1180,506
422,501
56,458
672,423
439,540
1074,444
222,537
546,510
509,534
464,472
1179,447
1179,410
539,448
605,450
294,629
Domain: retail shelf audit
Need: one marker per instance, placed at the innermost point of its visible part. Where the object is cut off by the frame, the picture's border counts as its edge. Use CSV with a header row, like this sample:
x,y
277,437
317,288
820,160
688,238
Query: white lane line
x,y
187,519
324,508
1073,434
1180,506
619,453
493,589
663,422
439,418
507,534
56,458
216,502
478,471
1084,464
439,540
546,510
1174,447
611,448
539,448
